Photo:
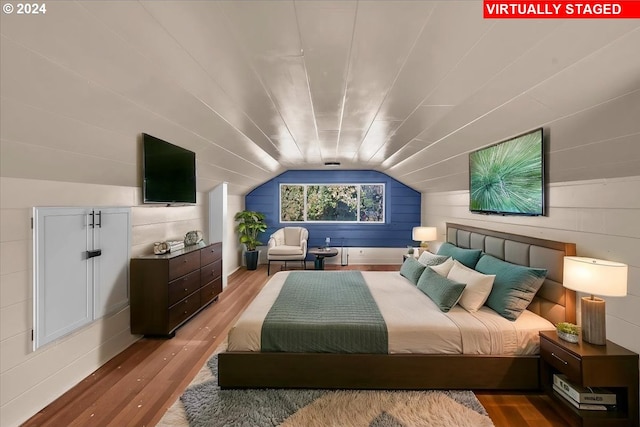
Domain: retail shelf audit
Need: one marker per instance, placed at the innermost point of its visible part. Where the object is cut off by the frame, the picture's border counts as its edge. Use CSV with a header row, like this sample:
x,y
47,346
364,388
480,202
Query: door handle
x,y
92,254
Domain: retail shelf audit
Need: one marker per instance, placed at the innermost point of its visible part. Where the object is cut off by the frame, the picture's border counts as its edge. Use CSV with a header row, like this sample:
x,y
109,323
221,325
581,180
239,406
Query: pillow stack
x,y
473,279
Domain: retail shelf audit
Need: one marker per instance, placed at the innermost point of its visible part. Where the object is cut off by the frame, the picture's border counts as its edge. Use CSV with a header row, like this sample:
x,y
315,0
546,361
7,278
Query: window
x,y
332,203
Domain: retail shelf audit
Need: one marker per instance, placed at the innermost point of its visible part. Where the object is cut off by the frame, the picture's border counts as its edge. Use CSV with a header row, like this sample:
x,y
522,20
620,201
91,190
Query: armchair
x,y
287,244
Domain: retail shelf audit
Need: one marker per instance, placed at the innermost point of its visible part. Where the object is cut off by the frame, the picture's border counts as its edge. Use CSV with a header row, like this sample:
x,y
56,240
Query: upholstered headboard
x,y
553,302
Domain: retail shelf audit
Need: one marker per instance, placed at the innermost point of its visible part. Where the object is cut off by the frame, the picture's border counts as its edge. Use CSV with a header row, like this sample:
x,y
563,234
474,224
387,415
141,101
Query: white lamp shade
x,y
425,234
595,276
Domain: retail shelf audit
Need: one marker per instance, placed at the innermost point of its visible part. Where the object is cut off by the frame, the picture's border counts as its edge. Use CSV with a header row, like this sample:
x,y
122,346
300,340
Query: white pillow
x,y
444,268
427,259
478,286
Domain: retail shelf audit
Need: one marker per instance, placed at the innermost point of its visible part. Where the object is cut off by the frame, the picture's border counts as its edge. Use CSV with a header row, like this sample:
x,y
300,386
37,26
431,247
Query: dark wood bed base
x,y
402,371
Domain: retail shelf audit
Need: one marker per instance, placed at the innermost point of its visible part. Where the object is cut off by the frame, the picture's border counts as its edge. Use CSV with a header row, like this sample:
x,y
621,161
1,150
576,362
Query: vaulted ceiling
x,y
259,87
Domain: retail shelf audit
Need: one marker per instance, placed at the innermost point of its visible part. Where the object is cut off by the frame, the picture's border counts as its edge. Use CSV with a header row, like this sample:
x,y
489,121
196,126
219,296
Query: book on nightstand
x,y
585,406
579,394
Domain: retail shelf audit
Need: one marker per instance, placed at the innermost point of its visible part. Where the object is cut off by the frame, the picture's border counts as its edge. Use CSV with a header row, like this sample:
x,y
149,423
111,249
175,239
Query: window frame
x,y
359,191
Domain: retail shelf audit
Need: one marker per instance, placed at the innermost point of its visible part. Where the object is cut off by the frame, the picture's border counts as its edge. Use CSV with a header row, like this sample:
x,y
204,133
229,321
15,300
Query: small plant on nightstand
x,y
568,331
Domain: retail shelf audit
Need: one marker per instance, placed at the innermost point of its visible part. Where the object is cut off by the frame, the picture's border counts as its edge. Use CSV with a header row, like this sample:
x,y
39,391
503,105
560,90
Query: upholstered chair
x,y
287,244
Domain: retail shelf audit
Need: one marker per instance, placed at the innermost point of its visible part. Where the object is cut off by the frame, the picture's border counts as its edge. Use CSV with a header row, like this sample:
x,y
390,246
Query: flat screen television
x,y
507,178
168,172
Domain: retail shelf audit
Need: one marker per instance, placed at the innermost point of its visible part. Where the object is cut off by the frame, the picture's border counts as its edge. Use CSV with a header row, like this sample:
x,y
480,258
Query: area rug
x,y
204,404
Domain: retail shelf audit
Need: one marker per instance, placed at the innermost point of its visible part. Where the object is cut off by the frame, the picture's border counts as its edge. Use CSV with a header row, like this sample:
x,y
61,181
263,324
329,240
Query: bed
x,y
506,359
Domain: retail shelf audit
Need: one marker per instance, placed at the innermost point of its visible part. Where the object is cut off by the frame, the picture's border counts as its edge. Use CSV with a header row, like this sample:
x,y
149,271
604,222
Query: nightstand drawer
x,y
562,360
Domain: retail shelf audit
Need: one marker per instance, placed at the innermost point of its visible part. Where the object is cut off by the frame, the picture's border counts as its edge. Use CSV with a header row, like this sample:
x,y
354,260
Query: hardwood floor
x,y
136,387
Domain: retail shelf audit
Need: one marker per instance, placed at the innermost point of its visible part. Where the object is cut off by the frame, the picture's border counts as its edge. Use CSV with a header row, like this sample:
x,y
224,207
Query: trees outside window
x,y
332,203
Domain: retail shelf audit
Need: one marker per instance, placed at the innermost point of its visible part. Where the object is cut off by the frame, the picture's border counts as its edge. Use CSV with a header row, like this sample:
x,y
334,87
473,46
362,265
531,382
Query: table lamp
x,y
594,276
424,235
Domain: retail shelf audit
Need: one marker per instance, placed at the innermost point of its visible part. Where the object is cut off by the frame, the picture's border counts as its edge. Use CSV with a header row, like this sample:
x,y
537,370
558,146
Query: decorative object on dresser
x,y
594,276
424,235
169,289
193,237
583,365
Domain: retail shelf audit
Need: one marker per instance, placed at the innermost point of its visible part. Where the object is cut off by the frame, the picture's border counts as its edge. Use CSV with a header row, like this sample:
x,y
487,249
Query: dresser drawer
x,y
211,253
562,360
184,264
210,291
181,311
183,286
210,272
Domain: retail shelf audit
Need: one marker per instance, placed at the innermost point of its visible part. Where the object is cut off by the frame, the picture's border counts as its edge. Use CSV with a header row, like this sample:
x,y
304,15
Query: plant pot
x,y
568,337
251,259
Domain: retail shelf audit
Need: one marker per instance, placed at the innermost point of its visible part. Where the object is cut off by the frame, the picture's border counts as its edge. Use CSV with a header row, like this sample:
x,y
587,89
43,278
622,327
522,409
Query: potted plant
x,y
568,331
250,224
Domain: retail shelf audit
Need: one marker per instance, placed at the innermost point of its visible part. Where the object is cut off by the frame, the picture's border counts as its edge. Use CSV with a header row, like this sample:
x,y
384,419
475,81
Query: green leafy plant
x,y
250,224
568,328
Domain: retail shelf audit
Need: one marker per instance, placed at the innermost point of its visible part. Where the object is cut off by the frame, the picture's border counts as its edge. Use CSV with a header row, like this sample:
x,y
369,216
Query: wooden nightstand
x,y
610,366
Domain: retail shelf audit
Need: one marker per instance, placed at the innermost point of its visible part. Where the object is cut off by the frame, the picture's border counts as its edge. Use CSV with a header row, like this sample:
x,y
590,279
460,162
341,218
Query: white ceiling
x,y
260,87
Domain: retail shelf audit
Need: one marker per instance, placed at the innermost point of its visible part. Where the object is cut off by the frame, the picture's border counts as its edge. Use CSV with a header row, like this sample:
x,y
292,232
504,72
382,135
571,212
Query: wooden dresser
x,y
167,290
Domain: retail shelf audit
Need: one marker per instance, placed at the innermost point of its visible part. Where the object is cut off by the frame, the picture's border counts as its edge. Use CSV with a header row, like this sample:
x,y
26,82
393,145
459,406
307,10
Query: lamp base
x,y
424,246
594,328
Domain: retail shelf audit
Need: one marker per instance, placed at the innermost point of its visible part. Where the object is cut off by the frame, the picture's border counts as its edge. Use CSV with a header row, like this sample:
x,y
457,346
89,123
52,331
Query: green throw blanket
x,y
325,312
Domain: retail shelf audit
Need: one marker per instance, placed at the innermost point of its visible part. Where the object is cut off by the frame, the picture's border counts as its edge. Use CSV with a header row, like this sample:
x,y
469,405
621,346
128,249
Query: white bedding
x,y
414,323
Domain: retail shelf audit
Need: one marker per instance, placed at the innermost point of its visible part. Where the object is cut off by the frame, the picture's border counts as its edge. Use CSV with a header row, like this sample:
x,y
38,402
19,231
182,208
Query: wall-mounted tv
x,y
508,178
168,172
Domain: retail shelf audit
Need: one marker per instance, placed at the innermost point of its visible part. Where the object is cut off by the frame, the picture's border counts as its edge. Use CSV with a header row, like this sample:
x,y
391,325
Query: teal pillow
x,y
468,257
412,269
514,286
444,292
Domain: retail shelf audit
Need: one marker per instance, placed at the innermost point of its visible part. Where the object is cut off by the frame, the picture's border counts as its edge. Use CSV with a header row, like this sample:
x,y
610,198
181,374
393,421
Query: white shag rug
x,y
204,404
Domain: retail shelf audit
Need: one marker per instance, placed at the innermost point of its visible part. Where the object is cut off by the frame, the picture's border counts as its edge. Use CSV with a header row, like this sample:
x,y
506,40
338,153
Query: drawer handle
x,y
184,261
559,358
186,289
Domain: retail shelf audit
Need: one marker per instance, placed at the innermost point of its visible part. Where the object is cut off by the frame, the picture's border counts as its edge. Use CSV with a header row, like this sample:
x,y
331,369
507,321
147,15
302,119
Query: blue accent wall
x,y
402,209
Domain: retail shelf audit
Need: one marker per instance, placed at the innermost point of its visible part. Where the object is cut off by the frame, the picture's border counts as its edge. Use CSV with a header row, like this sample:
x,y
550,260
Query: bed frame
x,y
421,371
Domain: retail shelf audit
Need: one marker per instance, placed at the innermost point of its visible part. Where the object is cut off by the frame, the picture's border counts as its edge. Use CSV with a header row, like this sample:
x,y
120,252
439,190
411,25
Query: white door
x,y
111,267
62,300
